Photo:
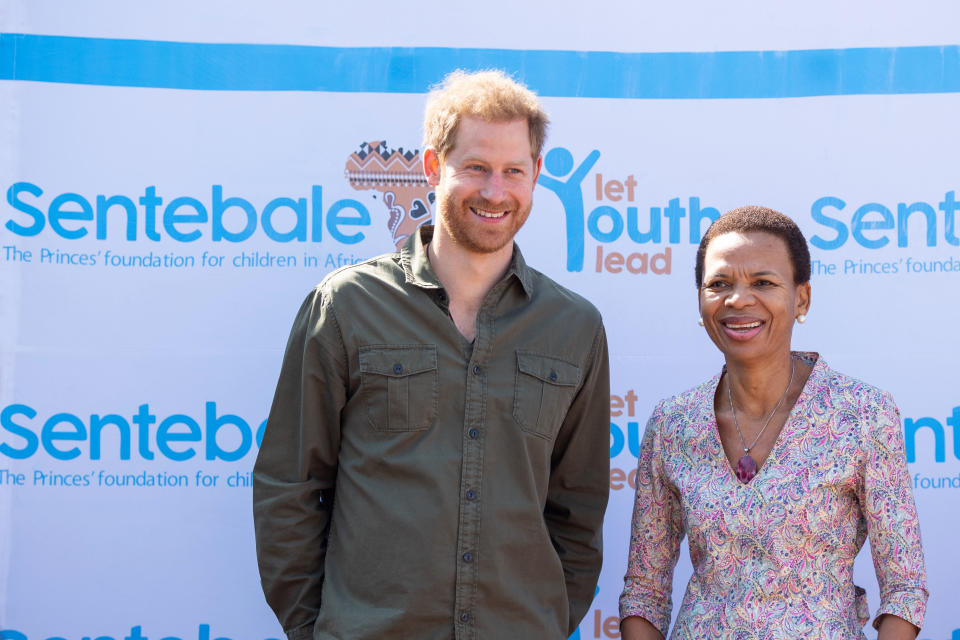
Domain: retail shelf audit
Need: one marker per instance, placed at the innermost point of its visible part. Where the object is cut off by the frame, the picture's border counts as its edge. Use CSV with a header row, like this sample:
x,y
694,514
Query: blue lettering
x,y
335,220
171,218
104,204
619,439
697,216
910,427
150,202
165,436
858,225
299,231
219,232
184,211
260,431
903,214
816,212
950,207
143,419
214,423
49,435
674,211
633,226
29,437
39,221
616,224
316,213
204,633
11,634
136,633
954,421
62,427
57,213
97,423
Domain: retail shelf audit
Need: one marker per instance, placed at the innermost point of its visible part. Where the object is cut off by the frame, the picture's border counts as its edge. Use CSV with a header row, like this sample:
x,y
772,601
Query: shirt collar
x,y
417,269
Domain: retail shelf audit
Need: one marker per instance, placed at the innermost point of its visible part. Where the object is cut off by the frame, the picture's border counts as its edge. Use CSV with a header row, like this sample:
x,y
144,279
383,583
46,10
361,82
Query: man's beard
x,y
473,235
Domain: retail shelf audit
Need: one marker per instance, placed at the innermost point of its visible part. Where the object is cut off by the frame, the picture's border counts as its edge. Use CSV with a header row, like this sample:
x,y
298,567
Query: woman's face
x,y
748,300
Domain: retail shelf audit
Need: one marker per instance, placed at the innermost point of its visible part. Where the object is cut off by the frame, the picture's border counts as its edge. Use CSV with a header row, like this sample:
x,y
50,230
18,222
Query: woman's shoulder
x,y
694,403
844,390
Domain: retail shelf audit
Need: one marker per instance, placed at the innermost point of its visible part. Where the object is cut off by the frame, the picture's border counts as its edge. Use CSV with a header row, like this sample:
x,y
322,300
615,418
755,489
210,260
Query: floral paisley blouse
x,y
774,558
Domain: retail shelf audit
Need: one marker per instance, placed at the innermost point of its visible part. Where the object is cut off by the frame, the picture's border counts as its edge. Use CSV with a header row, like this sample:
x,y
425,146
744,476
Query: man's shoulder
x,y
548,291
362,275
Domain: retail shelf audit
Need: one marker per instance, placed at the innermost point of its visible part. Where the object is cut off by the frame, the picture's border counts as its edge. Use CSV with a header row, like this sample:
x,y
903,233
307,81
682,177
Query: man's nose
x,y
494,187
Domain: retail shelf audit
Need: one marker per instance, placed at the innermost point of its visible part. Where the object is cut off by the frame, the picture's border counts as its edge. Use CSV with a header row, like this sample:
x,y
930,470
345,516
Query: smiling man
x,y
436,460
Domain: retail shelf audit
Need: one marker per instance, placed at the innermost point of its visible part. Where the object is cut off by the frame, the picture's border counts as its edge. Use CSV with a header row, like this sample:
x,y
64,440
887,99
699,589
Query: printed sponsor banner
x,y
156,239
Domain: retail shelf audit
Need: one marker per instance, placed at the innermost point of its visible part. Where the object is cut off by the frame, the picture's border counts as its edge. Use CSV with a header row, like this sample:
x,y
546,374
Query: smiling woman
x,y
777,469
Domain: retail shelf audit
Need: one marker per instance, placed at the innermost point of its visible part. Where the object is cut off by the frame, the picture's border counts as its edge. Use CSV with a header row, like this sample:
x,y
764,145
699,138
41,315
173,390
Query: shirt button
x,y
476,369
474,433
471,494
398,368
553,376
468,557
464,617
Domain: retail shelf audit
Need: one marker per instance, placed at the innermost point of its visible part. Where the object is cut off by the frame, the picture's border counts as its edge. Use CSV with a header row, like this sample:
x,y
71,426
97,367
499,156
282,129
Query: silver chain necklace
x,y
746,465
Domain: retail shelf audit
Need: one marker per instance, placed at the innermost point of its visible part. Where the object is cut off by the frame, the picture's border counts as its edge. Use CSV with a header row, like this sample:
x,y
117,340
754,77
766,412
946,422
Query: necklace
x,y
746,465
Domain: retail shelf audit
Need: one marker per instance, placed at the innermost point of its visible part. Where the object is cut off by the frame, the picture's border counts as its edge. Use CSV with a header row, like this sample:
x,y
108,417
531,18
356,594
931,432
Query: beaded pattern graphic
x,y
398,176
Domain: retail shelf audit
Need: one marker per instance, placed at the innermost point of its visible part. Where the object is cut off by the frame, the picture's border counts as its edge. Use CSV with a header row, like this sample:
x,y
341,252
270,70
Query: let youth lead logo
x,y
615,218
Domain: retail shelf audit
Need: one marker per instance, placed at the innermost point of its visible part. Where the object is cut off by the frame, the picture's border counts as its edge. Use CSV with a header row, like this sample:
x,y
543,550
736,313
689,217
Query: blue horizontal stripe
x,y
587,74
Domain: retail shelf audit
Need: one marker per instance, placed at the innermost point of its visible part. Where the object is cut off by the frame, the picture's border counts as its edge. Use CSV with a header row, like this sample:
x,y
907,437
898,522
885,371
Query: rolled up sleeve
x,y
892,523
656,534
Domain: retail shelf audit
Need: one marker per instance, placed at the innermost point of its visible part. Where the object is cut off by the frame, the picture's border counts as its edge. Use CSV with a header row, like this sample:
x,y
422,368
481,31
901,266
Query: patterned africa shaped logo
x,y
397,175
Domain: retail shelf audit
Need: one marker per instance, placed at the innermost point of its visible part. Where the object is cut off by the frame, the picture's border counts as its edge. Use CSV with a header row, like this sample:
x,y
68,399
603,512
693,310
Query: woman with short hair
x,y
776,469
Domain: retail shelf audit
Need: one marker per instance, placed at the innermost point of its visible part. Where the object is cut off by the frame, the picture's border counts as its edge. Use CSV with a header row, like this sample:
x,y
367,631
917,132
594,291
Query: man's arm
x,y
296,468
579,483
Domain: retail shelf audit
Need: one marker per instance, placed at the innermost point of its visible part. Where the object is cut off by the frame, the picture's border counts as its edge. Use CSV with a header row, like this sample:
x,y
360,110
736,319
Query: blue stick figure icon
x,y
559,162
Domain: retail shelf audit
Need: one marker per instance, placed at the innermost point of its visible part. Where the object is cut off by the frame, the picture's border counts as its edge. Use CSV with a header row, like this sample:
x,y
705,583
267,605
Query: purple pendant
x,y
746,469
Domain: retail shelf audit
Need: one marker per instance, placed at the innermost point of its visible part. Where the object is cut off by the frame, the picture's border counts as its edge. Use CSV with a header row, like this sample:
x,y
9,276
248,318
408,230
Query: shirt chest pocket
x,y
543,391
399,386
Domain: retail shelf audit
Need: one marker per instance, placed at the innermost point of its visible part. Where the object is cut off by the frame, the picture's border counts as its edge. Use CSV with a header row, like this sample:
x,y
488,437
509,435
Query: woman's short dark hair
x,y
753,218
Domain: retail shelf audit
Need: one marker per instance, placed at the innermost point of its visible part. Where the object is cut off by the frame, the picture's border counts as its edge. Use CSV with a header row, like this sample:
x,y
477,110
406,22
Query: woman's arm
x,y
891,516
657,530
637,628
891,628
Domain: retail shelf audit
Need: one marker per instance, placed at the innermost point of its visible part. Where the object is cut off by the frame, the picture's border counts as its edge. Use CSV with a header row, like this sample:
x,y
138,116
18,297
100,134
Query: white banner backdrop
x,y
168,203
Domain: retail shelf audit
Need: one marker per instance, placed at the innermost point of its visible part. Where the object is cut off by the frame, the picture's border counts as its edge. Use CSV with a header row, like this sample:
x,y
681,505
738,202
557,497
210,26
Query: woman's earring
x,y
801,318
700,321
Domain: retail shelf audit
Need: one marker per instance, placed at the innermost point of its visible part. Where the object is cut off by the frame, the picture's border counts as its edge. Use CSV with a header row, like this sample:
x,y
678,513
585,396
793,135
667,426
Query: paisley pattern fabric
x,y
774,558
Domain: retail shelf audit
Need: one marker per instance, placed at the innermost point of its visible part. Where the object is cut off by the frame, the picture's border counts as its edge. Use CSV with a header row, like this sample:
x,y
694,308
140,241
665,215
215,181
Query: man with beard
x,y
436,459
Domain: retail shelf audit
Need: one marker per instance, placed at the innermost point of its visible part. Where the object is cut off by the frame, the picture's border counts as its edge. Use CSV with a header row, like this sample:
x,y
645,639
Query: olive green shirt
x,y
411,484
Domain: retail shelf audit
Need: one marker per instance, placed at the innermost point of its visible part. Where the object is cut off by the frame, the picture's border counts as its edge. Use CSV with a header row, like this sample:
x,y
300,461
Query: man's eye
x,y
716,284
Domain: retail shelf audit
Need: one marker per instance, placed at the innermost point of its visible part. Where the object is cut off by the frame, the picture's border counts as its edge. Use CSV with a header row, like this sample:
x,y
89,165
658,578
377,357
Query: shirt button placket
x,y
472,474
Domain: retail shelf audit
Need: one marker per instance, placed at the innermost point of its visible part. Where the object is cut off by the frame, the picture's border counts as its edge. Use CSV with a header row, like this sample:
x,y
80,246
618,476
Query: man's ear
x,y
536,169
431,166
